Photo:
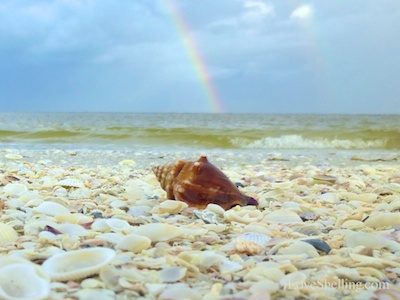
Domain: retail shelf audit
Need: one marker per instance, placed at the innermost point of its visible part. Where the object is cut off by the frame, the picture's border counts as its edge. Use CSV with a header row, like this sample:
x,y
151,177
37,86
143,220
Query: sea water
x,y
170,131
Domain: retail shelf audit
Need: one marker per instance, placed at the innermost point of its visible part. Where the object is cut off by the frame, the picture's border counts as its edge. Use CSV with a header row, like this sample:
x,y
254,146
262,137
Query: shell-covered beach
x,y
326,227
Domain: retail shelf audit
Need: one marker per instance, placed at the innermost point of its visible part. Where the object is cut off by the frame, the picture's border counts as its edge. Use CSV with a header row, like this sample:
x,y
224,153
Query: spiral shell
x,y
200,183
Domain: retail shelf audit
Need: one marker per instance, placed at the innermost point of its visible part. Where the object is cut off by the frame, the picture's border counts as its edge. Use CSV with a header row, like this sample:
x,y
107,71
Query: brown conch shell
x,y
199,183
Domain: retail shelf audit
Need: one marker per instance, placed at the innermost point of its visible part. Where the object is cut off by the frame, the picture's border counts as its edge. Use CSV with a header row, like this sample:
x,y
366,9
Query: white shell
x,y
118,225
7,234
20,279
255,237
172,206
13,156
76,218
283,216
172,274
51,209
134,243
15,189
158,232
77,264
71,182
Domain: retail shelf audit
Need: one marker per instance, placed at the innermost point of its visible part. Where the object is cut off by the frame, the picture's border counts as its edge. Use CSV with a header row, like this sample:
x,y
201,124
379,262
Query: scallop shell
x,y
20,279
134,243
7,234
15,189
77,264
51,208
158,232
200,183
70,182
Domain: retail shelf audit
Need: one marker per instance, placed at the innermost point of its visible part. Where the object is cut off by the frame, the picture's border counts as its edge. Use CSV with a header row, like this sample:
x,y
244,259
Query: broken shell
x,y
243,215
15,189
20,279
7,234
51,209
294,247
77,264
74,218
134,243
207,216
172,274
200,183
158,232
70,182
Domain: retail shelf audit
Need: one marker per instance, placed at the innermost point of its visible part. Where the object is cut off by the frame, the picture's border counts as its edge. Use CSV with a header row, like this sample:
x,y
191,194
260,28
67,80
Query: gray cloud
x,y
263,56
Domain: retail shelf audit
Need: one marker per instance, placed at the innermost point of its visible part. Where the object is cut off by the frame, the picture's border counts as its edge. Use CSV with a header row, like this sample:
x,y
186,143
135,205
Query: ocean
x,y
170,131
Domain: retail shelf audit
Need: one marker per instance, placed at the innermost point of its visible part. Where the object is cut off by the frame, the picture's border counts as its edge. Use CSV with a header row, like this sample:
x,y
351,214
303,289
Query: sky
x,y
230,56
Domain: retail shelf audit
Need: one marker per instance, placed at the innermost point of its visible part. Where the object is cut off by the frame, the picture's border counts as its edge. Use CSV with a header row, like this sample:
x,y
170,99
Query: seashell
x,y
77,264
200,183
7,234
118,225
258,238
383,220
242,215
12,156
172,207
251,243
294,247
77,218
100,224
172,274
207,216
79,193
325,178
134,243
366,239
51,209
158,232
70,182
283,216
179,291
139,210
15,189
21,279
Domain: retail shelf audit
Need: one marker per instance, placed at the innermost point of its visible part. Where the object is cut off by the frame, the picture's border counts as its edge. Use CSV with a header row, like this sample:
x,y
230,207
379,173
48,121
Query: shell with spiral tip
x,y
199,183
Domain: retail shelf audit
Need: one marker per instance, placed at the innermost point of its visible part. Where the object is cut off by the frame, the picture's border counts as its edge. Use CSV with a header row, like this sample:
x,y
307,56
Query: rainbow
x,y
195,56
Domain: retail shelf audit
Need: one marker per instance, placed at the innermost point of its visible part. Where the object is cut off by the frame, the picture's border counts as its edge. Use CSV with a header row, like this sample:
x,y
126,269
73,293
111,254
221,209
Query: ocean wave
x,y
295,141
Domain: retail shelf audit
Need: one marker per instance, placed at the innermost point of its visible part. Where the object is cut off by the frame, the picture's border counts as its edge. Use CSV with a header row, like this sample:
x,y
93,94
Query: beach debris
x,y
199,183
78,264
22,279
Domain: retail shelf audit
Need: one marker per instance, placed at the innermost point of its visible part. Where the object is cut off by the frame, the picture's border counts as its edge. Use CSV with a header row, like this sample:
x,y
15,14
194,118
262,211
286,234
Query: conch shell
x,y
200,183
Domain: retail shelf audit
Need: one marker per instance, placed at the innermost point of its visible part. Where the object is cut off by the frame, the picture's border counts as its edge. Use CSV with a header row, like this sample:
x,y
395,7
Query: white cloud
x,y
256,10
303,12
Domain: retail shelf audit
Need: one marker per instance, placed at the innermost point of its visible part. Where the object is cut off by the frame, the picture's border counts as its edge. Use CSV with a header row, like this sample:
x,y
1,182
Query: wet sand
x,y
347,204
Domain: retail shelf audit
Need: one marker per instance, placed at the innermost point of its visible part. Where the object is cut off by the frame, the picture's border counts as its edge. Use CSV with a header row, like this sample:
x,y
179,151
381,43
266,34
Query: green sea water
x,y
199,131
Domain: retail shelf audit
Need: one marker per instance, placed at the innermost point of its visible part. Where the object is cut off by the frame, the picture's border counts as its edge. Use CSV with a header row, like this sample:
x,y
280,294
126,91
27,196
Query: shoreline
x,y
346,202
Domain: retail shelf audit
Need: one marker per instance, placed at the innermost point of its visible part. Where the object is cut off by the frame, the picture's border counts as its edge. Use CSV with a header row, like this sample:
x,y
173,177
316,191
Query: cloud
x,y
256,10
303,12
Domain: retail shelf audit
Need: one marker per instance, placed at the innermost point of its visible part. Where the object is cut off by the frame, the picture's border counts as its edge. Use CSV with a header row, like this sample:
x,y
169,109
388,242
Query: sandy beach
x,y
326,227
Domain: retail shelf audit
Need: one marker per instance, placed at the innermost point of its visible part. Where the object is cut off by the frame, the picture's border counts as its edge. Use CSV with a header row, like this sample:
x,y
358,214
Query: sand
x,y
327,225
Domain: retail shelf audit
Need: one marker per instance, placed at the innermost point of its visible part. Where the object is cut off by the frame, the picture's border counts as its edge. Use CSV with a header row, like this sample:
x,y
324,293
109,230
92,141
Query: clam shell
x,y
283,216
77,264
51,209
15,189
73,218
7,234
134,243
13,156
70,182
20,279
172,206
157,232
